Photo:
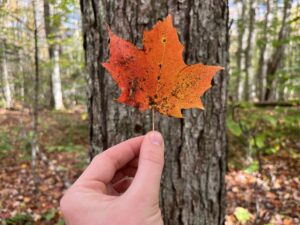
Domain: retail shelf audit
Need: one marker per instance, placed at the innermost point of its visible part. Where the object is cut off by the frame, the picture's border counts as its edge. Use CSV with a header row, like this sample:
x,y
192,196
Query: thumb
x,y
146,183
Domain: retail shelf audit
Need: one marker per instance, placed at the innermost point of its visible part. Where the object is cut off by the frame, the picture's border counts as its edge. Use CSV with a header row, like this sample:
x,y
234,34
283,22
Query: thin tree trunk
x,y
192,191
260,73
53,47
276,58
241,31
6,82
20,62
21,77
35,145
56,81
248,51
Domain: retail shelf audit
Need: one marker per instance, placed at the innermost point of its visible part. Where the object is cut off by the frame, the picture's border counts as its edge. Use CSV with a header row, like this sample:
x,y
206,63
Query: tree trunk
x,y
276,58
56,81
192,190
53,47
5,74
260,73
22,76
34,144
248,52
241,31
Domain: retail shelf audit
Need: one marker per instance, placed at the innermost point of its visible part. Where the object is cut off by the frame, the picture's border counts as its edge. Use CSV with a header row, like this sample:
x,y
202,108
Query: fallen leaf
x,y
156,76
26,199
242,215
287,221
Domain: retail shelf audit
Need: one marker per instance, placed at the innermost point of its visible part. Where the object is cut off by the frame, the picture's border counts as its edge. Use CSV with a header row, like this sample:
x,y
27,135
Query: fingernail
x,y
156,138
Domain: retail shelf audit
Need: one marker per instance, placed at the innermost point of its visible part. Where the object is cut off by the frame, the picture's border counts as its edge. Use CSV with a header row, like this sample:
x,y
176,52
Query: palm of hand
x,y
112,190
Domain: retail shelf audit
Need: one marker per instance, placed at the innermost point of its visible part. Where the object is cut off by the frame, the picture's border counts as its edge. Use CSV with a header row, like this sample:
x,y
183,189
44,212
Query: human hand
x,y
120,186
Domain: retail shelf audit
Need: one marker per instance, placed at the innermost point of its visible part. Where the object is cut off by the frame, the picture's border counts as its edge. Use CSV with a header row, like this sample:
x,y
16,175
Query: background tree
x,y
35,140
275,60
52,27
63,35
262,45
192,190
261,71
248,52
239,51
5,76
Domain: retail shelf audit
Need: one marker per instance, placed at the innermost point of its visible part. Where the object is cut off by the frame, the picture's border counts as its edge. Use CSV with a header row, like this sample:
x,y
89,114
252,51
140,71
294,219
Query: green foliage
x,y
60,222
242,215
5,144
2,102
254,167
49,215
19,219
16,27
255,131
234,127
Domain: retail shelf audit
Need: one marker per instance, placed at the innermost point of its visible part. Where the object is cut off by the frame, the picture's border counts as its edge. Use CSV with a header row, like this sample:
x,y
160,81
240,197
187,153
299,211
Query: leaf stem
x,y
153,119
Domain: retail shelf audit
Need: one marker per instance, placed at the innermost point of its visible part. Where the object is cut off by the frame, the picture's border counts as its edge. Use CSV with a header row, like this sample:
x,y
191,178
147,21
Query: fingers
x,y
126,172
104,166
146,183
122,185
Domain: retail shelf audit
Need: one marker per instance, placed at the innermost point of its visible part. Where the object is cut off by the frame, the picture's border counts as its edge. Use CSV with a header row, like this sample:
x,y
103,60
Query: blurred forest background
x,y
44,125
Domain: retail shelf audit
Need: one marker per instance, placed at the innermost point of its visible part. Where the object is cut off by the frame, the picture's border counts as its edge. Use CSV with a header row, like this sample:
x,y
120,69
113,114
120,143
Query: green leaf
x,y
260,140
270,119
60,222
24,219
50,214
234,127
252,168
242,214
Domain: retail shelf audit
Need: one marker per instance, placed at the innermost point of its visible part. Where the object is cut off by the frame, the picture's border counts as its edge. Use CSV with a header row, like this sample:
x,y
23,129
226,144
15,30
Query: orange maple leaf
x,y
156,76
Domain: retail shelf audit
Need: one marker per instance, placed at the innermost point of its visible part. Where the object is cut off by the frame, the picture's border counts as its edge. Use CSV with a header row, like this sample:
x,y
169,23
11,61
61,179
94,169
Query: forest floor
x,y
268,194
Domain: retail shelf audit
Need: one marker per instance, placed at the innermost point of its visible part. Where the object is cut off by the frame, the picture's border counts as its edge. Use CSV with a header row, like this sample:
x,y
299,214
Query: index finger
x,y
104,166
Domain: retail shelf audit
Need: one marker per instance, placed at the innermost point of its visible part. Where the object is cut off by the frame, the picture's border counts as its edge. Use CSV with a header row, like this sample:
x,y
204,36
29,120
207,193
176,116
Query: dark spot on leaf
x,y
174,93
151,101
132,90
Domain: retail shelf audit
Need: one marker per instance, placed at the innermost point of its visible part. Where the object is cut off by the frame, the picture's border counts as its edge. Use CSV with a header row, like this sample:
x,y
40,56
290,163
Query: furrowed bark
x,y
192,190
